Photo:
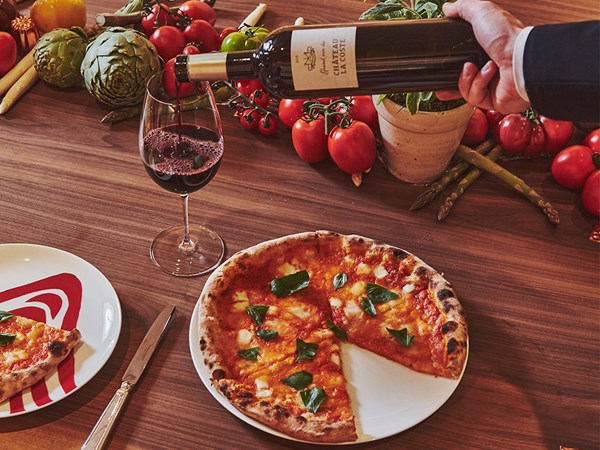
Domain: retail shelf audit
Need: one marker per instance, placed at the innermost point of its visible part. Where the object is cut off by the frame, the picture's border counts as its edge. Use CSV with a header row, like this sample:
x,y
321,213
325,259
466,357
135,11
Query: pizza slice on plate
x,y
29,351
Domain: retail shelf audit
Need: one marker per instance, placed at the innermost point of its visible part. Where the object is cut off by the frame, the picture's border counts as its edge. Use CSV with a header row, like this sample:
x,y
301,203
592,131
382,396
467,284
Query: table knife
x,y
98,436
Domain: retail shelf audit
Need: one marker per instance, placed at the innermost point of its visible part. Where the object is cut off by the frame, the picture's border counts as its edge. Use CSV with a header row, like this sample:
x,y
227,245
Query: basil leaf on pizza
x,y
367,305
298,380
306,350
7,338
379,294
5,315
313,398
401,336
284,286
339,332
339,281
267,335
249,353
257,313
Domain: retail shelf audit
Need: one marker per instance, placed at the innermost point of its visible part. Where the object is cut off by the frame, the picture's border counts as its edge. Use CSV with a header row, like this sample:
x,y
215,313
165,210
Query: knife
x,y
97,438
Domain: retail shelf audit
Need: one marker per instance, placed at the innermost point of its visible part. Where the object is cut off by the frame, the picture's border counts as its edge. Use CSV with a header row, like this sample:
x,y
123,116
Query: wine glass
x,y
181,145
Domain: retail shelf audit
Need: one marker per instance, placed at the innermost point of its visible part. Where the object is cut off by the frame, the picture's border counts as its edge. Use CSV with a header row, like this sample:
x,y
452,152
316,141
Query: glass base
x,y
206,255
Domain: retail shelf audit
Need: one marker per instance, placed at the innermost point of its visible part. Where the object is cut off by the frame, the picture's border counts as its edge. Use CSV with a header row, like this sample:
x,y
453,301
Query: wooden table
x,y
530,288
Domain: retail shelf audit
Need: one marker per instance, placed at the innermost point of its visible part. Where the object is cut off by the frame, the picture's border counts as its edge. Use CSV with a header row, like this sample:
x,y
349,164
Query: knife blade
x,y
99,434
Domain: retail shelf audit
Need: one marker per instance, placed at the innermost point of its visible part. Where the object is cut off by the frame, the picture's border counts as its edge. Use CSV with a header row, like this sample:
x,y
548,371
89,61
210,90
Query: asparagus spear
x,y
447,177
467,181
518,184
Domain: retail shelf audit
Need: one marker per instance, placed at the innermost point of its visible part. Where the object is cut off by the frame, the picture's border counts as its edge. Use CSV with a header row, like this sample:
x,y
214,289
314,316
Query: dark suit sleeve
x,y
561,65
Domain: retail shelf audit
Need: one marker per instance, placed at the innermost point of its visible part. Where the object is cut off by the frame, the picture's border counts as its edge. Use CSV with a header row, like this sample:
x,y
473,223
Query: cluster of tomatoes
x,y
251,107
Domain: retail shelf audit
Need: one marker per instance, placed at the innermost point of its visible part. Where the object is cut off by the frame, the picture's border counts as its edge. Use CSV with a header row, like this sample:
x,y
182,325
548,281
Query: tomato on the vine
x,y
536,144
592,140
8,52
169,41
196,9
170,82
573,165
250,118
514,132
247,39
590,196
191,49
362,109
226,32
290,110
558,133
267,125
202,33
477,129
260,97
494,118
353,148
247,87
157,14
309,139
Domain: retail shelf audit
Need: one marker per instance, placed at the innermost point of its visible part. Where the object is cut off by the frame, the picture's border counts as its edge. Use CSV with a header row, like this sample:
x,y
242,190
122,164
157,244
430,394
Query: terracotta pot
x,y
418,148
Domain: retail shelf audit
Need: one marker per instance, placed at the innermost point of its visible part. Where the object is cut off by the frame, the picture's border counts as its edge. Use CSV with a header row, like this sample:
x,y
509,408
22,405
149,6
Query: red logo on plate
x,y
55,300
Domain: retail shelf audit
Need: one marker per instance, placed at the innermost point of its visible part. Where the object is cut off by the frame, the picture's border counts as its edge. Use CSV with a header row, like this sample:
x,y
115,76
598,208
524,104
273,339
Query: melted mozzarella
x,y
380,272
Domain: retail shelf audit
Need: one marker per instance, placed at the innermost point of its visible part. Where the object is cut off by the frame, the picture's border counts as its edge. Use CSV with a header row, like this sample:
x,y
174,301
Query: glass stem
x,y
186,245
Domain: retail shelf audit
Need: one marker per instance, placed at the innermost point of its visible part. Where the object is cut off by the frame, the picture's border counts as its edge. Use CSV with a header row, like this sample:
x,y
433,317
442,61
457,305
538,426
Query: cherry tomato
x,y
537,142
260,97
191,49
247,87
250,118
247,39
169,41
353,149
170,82
363,110
558,133
309,140
8,52
477,129
494,118
195,9
514,132
290,110
267,125
572,166
592,141
590,196
157,14
226,32
203,34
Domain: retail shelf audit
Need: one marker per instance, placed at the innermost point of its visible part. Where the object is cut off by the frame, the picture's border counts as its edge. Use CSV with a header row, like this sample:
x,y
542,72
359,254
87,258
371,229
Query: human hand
x,y
496,30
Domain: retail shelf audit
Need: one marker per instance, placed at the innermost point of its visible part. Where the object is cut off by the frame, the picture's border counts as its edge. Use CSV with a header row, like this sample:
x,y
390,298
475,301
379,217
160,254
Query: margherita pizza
x,y
29,351
272,317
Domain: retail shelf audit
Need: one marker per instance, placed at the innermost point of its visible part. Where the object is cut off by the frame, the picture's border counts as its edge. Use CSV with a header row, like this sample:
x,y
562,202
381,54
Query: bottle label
x,y
324,58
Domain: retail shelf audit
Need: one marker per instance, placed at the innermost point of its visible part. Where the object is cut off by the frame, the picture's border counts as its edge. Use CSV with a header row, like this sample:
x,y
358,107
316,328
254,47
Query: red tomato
x,y
572,166
477,129
260,97
8,52
326,100
353,149
590,196
267,125
514,132
196,9
226,32
157,14
310,140
536,143
191,50
592,141
250,118
170,83
169,41
363,110
558,133
247,87
290,110
494,118
203,34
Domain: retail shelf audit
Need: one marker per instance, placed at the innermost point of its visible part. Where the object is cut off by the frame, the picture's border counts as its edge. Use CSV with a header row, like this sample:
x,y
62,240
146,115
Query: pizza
x,y
272,320
29,351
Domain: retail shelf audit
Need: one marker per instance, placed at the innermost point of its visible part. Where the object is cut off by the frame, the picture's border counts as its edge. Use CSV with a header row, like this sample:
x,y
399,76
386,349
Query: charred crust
x,y
420,271
57,348
281,412
447,306
245,394
264,404
218,374
245,402
203,344
400,254
301,419
443,294
225,391
452,345
449,326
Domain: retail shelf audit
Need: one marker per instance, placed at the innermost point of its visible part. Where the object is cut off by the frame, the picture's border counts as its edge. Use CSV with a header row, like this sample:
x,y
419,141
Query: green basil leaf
x,y
339,281
267,335
249,353
257,313
5,315
298,380
379,294
7,338
368,306
401,336
313,398
339,332
284,286
306,350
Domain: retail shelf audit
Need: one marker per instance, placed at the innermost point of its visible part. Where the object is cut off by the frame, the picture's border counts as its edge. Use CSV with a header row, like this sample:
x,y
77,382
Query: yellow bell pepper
x,y
51,14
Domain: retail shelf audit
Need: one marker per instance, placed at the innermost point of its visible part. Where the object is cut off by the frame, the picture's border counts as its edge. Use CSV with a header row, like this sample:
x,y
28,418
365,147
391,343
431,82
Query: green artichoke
x,y
58,54
117,66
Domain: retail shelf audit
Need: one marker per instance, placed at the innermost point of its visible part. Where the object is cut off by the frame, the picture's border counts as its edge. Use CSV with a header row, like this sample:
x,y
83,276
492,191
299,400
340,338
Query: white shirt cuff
x,y
517,62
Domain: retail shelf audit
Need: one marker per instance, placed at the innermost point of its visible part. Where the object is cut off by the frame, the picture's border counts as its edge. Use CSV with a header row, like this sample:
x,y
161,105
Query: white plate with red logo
x,y
65,291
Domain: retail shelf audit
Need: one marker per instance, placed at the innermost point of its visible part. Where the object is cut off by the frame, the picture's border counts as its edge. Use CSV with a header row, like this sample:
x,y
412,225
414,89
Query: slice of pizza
x,y
29,351
393,304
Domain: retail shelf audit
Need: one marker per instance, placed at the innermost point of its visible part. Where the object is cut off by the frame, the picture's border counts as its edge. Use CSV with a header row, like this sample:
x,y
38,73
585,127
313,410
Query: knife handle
x,y
97,438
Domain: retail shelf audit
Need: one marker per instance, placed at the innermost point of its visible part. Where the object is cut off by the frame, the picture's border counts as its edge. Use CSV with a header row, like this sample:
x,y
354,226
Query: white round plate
x,y
386,398
65,291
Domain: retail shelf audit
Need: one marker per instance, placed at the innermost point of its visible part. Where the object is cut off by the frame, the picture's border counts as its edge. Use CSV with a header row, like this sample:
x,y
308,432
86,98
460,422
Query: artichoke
x,y
58,54
117,66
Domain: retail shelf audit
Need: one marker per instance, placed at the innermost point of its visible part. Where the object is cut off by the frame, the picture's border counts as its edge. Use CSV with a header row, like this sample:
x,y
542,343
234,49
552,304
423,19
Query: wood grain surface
x,y
530,289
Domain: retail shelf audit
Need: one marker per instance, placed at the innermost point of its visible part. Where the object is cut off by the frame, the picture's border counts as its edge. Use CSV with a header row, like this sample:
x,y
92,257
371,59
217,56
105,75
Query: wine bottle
x,y
369,57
